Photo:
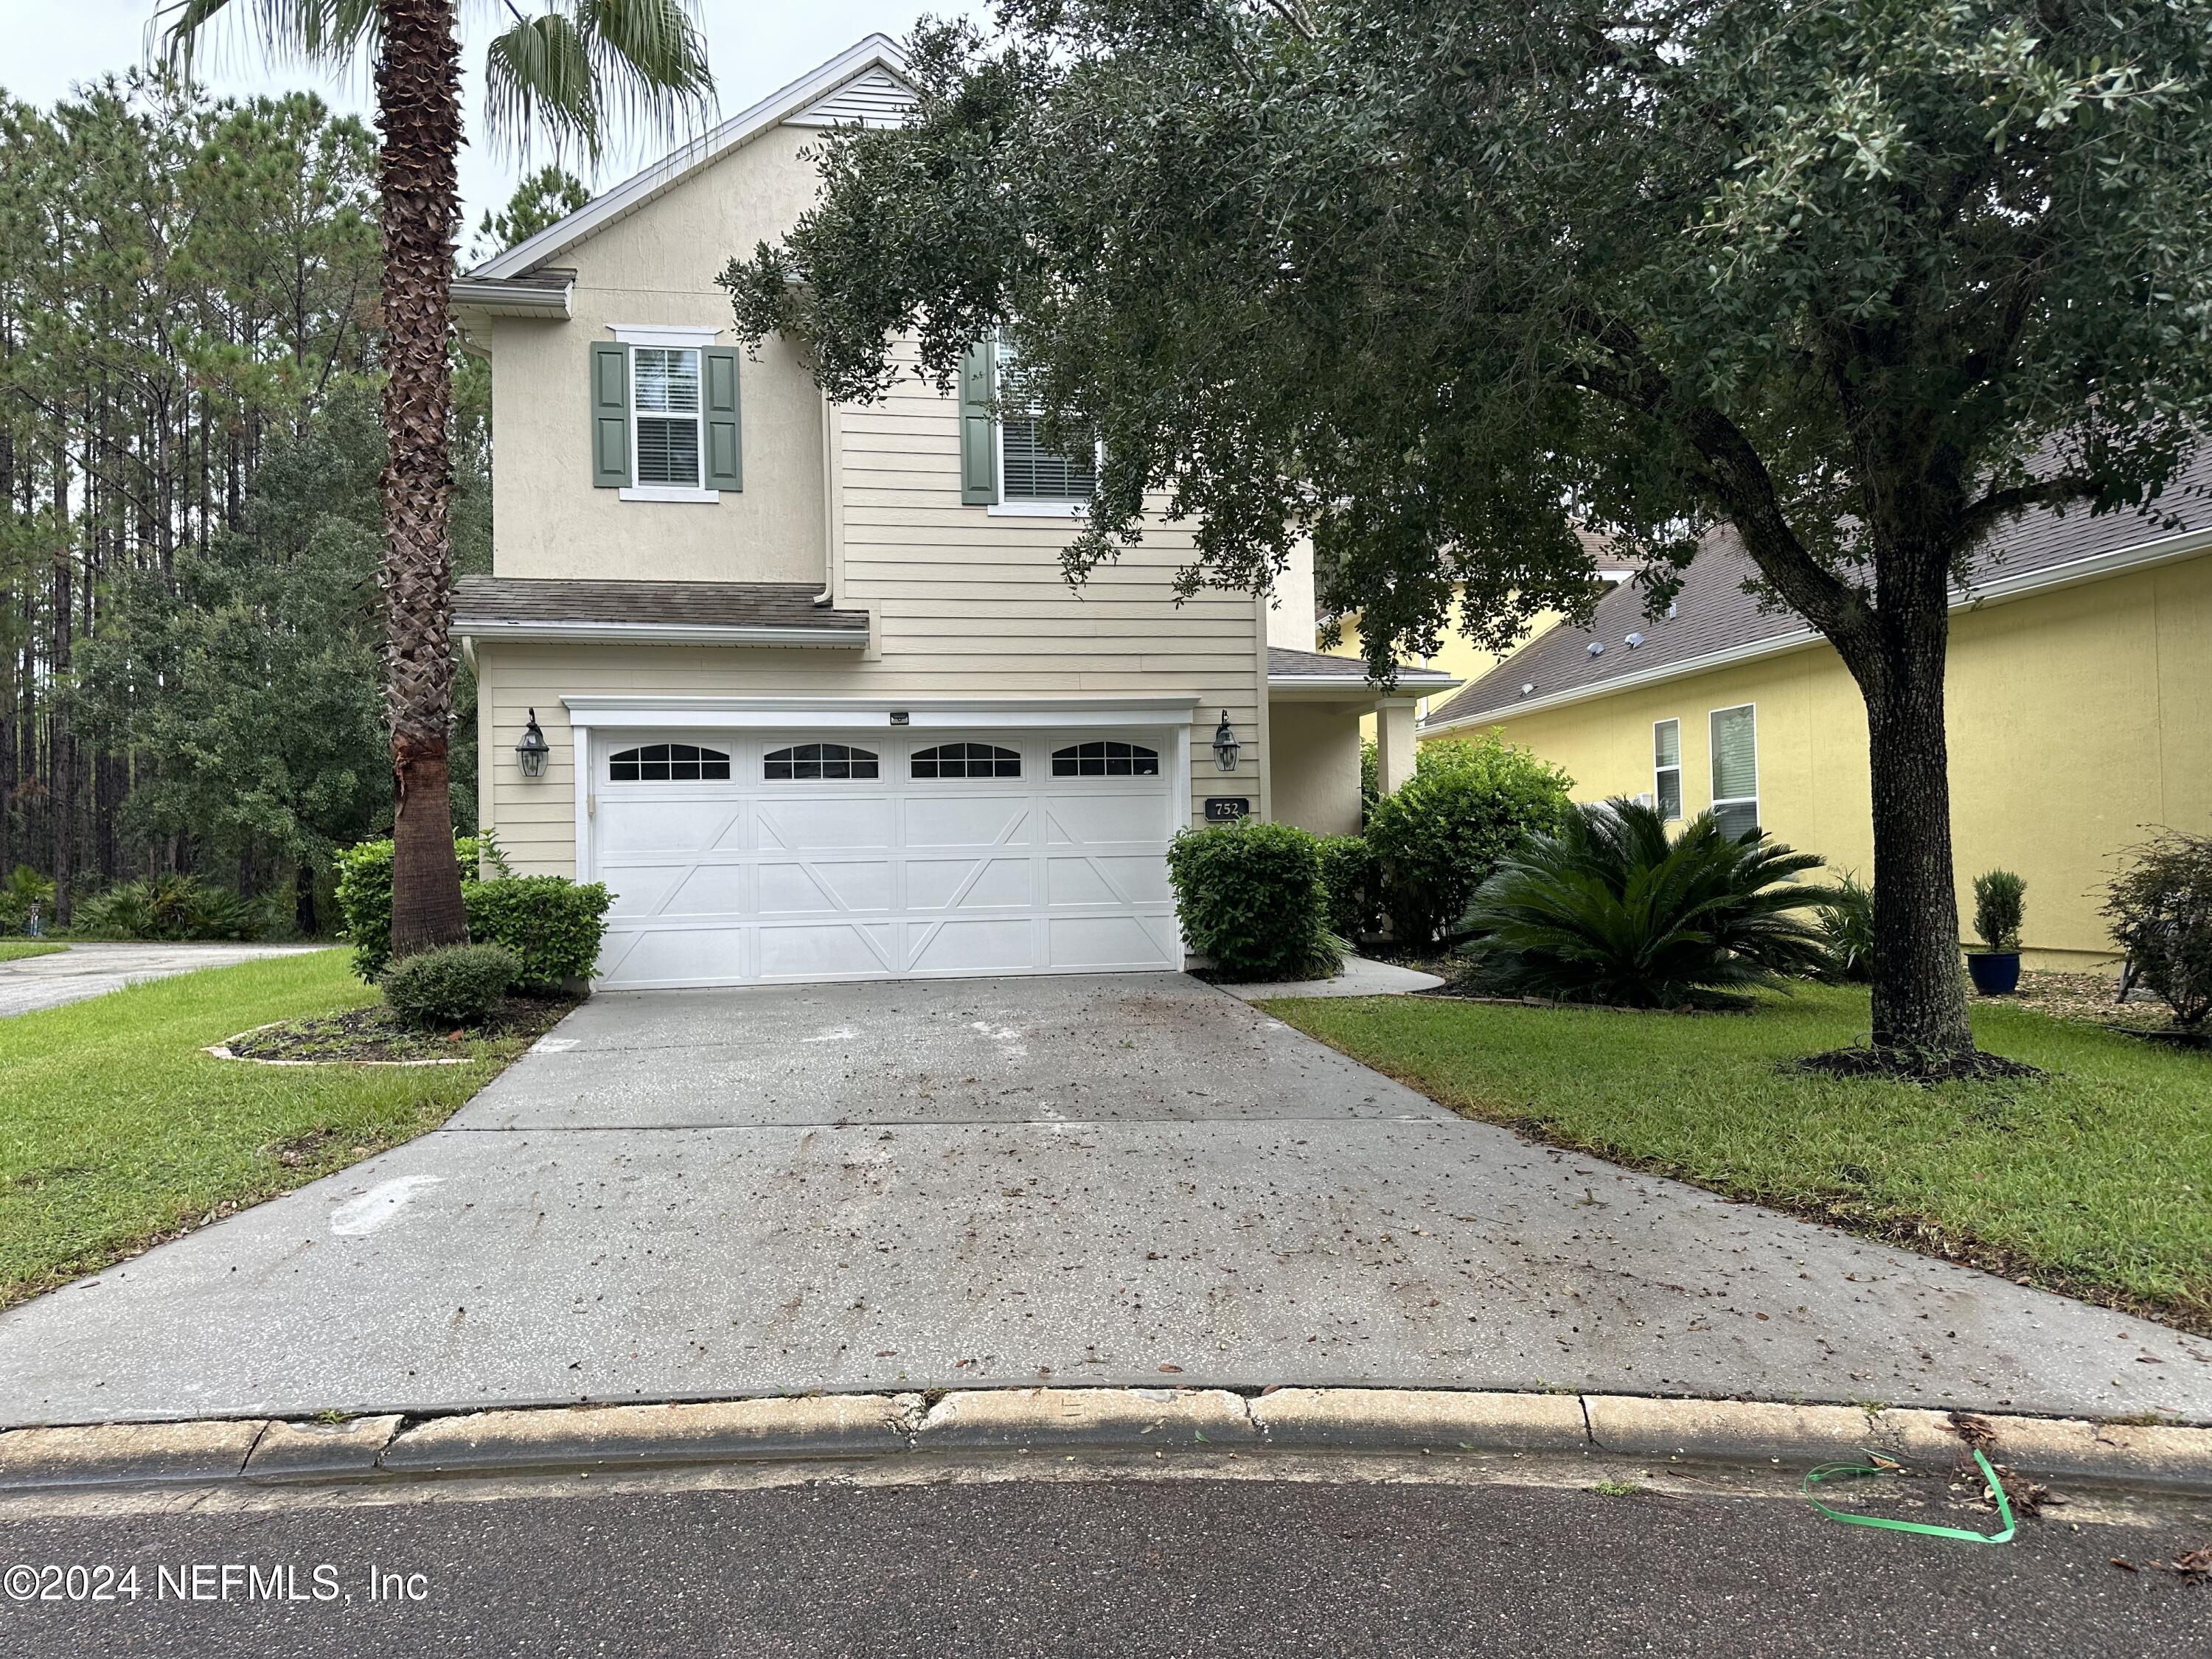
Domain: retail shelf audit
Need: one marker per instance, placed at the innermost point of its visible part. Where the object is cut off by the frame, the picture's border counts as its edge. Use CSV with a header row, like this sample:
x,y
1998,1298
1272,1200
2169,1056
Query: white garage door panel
x,y
749,881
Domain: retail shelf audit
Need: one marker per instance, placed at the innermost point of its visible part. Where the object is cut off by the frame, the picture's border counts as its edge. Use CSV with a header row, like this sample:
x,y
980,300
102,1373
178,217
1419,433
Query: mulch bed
x,y
372,1034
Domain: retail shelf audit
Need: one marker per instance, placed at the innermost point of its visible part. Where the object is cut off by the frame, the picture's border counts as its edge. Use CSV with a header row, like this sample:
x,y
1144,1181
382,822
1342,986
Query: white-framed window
x,y
668,763
1666,769
819,763
966,760
1735,768
1032,478
666,420
1106,757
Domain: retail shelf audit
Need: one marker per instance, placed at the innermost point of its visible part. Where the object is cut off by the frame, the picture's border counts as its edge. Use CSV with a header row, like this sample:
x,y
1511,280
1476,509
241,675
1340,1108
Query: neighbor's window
x,y
1736,768
664,397
966,760
1028,472
667,763
1667,767
806,762
1106,758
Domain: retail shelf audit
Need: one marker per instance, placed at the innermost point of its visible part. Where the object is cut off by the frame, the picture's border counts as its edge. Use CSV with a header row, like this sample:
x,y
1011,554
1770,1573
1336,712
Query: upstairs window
x,y
1735,768
807,762
668,763
1666,769
966,760
1106,758
665,396
1028,472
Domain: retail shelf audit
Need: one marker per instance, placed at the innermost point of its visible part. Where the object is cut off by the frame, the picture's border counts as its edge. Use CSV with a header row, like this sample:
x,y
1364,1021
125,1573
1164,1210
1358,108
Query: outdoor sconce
x,y
1224,744
530,754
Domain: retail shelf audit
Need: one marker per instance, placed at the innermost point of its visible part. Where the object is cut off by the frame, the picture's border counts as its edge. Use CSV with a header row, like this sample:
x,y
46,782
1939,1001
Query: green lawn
x,y
14,950
116,1131
2098,1182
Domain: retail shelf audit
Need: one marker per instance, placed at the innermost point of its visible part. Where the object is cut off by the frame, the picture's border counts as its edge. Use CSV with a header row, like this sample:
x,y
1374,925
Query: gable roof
x,y
1716,622
865,83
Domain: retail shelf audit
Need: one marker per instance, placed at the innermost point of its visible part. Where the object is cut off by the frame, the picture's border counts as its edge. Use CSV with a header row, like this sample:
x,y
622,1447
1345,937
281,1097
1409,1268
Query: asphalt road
x,y
1122,1566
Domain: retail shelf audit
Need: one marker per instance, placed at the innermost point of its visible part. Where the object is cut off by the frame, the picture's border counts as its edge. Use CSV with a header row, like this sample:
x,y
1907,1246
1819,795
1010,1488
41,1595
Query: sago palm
x,y
1610,910
562,69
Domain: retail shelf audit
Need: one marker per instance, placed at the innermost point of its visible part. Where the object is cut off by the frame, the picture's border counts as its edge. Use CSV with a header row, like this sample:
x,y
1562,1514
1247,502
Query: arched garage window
x,y
805,761
667,763
966,760
1106,758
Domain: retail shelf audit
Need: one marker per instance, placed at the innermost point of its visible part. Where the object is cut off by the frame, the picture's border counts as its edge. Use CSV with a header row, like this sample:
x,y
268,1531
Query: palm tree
x,y
563,69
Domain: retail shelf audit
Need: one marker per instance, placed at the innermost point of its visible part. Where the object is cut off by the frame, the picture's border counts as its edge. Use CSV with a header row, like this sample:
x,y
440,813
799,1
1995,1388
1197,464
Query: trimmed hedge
x,y
1468,804
551,924
1250,897
1353,879
456,985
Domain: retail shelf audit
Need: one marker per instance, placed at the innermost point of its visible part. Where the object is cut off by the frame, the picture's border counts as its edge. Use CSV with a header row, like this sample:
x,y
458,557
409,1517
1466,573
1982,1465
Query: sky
x,y
755,46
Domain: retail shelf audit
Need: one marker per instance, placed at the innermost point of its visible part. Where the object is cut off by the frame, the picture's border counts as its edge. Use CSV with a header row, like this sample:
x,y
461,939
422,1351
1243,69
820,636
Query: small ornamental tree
x,y
1435,281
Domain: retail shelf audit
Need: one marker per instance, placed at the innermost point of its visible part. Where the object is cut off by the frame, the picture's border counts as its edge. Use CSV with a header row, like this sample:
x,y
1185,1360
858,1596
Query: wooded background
x,y
189,452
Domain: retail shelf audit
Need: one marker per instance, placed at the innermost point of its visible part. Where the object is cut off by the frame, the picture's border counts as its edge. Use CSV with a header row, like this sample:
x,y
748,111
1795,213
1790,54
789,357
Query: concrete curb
x,y
1018,1421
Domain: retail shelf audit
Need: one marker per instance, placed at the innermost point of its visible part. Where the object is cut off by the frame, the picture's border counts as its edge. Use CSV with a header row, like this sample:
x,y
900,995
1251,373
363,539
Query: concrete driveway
x,y
89,971
1128,1179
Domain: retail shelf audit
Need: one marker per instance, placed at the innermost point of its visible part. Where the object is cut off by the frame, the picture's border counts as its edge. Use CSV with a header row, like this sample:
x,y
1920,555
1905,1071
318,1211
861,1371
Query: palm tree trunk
x,y
418,109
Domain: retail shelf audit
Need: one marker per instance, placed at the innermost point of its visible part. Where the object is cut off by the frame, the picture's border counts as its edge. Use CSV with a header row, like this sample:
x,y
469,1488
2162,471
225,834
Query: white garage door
x,y
752,859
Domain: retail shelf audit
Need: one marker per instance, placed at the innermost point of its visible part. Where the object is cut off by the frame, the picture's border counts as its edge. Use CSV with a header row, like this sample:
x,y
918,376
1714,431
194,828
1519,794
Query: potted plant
x,y
2000,903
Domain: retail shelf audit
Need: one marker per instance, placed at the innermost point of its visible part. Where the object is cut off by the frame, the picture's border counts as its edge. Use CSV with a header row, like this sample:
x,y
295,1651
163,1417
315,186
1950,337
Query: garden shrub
x,y
2000,907
550,924
1608,910
2160,909
364,893
1469,803
168,908
1846,920
1353,881
1250,897
454,985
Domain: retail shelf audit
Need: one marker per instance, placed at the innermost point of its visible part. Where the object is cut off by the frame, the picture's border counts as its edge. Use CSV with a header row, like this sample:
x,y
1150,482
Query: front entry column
x,y
1393,745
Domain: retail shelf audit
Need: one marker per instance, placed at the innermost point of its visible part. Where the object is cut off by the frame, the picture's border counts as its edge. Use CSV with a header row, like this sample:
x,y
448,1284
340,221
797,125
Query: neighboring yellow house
x,y
1461,657
2080,696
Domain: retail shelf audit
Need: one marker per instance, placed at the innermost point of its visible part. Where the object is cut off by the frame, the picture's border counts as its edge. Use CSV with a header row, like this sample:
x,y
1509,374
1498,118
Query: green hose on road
x,y
1848,1471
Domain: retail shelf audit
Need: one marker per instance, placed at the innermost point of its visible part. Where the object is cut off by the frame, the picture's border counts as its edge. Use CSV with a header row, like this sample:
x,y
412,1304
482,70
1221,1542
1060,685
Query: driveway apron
x,y
1115,1179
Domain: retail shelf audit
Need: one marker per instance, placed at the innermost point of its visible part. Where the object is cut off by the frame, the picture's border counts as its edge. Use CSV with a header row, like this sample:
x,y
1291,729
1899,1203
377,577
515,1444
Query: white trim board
x,y
678,335
877,52
1998,590
590,633
615,712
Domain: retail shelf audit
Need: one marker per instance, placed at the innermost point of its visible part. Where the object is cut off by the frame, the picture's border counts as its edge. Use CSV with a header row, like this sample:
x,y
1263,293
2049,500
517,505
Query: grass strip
x,y
2096,1182
116,1132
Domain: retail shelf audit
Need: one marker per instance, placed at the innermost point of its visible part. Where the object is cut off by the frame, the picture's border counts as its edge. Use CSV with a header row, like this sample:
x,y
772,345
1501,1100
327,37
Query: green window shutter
x,y
978,460
610,415
725,466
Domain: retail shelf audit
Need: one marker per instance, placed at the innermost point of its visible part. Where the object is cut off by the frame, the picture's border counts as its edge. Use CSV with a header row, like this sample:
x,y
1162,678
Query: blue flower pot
x,y
1995,973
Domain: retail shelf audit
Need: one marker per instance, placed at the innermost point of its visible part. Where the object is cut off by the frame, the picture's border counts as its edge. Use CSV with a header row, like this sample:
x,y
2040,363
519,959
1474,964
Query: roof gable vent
x,y
873,98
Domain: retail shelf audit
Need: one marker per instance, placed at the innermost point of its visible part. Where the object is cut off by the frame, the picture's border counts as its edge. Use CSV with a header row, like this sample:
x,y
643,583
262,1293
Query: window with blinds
x,y
1028,472
1736,768
665,401
1667,767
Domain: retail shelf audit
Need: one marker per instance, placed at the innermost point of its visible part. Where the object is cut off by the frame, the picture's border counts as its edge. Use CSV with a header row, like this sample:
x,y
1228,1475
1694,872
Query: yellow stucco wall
x,y
2078,717
1456,655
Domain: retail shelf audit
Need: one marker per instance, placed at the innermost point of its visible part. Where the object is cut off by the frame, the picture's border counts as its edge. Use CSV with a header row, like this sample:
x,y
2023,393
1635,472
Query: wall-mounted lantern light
x,y
1225,744
530,754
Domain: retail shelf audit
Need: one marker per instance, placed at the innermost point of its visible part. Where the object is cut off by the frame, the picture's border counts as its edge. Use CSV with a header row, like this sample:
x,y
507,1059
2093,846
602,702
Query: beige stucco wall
x,y
2077,718
657,266
1315,750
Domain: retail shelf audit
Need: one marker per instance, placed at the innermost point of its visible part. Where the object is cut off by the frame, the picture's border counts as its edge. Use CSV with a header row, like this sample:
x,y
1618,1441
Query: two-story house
x,y
819,702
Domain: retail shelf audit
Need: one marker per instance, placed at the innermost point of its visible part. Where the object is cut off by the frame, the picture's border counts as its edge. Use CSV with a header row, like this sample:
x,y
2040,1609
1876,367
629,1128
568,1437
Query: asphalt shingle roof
x,y
1712,612
1284,663
481,602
